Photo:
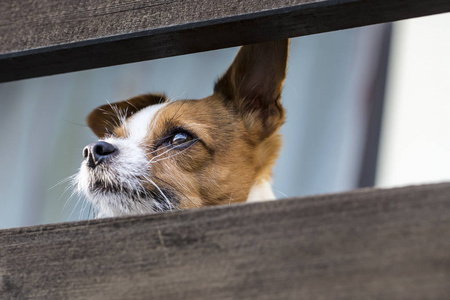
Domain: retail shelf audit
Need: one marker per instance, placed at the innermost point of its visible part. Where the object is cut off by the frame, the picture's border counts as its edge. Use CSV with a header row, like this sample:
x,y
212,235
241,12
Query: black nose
x,y
96,153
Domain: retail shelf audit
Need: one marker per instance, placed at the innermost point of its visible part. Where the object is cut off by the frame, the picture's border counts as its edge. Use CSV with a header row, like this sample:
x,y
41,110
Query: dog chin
x,y
112,198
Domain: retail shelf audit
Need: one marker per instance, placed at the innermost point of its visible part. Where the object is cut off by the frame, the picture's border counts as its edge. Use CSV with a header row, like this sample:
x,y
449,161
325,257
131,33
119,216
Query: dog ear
x,y
105,118
252,85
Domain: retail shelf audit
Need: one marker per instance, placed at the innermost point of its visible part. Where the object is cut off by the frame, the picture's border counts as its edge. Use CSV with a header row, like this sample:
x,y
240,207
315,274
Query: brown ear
x,y
253,85
105,118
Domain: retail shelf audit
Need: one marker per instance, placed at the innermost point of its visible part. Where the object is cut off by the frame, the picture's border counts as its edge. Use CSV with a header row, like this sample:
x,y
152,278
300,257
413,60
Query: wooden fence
x,y
366,244
44,37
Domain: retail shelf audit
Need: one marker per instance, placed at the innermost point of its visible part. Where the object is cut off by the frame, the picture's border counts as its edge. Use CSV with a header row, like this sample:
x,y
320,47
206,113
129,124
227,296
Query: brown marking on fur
x,y
218,168
236,129
104,119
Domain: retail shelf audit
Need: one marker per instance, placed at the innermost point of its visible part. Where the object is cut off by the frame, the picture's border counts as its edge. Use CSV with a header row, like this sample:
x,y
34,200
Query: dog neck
x,y
261,191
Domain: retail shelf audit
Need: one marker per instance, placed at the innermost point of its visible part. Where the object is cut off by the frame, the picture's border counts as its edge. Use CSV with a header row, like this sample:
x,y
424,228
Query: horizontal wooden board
x,y
366,244
44,37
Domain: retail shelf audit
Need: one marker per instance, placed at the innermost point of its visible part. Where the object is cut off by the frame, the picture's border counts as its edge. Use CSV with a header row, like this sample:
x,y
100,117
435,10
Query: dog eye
x,y
180,138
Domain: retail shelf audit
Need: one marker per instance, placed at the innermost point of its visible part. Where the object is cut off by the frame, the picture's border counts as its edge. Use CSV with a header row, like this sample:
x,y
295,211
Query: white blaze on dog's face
x,y
154,155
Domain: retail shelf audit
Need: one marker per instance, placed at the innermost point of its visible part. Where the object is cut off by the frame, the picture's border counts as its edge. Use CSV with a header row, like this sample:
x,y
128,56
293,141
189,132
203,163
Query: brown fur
x,y
236,128
104,119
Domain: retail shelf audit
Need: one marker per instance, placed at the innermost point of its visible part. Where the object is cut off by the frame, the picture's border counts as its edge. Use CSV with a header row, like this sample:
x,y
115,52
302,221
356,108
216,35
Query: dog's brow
x,y
137,125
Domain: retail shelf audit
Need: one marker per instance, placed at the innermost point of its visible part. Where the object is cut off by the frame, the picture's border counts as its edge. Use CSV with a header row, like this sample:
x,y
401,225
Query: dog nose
x,y
96,153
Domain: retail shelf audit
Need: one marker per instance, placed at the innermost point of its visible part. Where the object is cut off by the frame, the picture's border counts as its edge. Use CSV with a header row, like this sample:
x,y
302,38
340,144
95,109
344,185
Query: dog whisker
x,y
65,180
75,206
171,156
69,199
159,155
178,190
67,188
162,193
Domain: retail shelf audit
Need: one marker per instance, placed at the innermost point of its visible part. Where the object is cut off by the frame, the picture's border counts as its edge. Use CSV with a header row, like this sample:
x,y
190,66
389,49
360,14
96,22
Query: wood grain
x,y
44,37
366,244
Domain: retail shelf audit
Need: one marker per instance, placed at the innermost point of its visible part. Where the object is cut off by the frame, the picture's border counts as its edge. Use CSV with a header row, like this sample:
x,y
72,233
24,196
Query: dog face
x,y
155,155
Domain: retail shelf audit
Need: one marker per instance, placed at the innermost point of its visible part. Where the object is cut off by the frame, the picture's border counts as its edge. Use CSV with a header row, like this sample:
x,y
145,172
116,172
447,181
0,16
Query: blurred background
x,y
365,107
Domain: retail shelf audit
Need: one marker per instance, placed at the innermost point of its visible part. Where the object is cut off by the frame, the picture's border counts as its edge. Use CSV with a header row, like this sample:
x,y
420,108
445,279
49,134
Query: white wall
x,y
415,144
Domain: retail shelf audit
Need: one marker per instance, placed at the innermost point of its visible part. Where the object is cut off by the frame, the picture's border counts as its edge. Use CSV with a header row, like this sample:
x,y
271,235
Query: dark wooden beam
x,y
366,244
374,106
45,37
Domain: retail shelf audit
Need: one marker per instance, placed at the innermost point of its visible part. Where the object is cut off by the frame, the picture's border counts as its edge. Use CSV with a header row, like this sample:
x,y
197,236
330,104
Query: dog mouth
x,y
101,187
155,200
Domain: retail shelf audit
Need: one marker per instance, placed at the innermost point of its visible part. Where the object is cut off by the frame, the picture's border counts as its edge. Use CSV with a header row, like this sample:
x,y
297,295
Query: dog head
x,y
155,155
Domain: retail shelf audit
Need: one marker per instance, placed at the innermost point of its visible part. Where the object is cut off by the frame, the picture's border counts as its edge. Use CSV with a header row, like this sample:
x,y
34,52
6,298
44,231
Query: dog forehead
x,y
137,125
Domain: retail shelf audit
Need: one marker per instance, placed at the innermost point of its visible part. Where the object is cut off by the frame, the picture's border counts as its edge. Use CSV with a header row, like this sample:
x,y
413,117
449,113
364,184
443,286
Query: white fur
x,y
261,191
130,164
138,124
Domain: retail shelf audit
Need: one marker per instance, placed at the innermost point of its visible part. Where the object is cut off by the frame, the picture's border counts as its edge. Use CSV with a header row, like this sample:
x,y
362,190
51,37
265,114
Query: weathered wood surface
x,y
368,244
44,37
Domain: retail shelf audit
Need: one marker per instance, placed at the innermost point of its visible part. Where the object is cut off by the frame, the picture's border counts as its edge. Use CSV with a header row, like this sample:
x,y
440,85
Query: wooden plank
x,y
374,105
367,244
44,37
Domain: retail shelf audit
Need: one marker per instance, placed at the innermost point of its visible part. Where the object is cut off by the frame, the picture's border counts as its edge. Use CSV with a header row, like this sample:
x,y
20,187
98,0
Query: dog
x,y
156,155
